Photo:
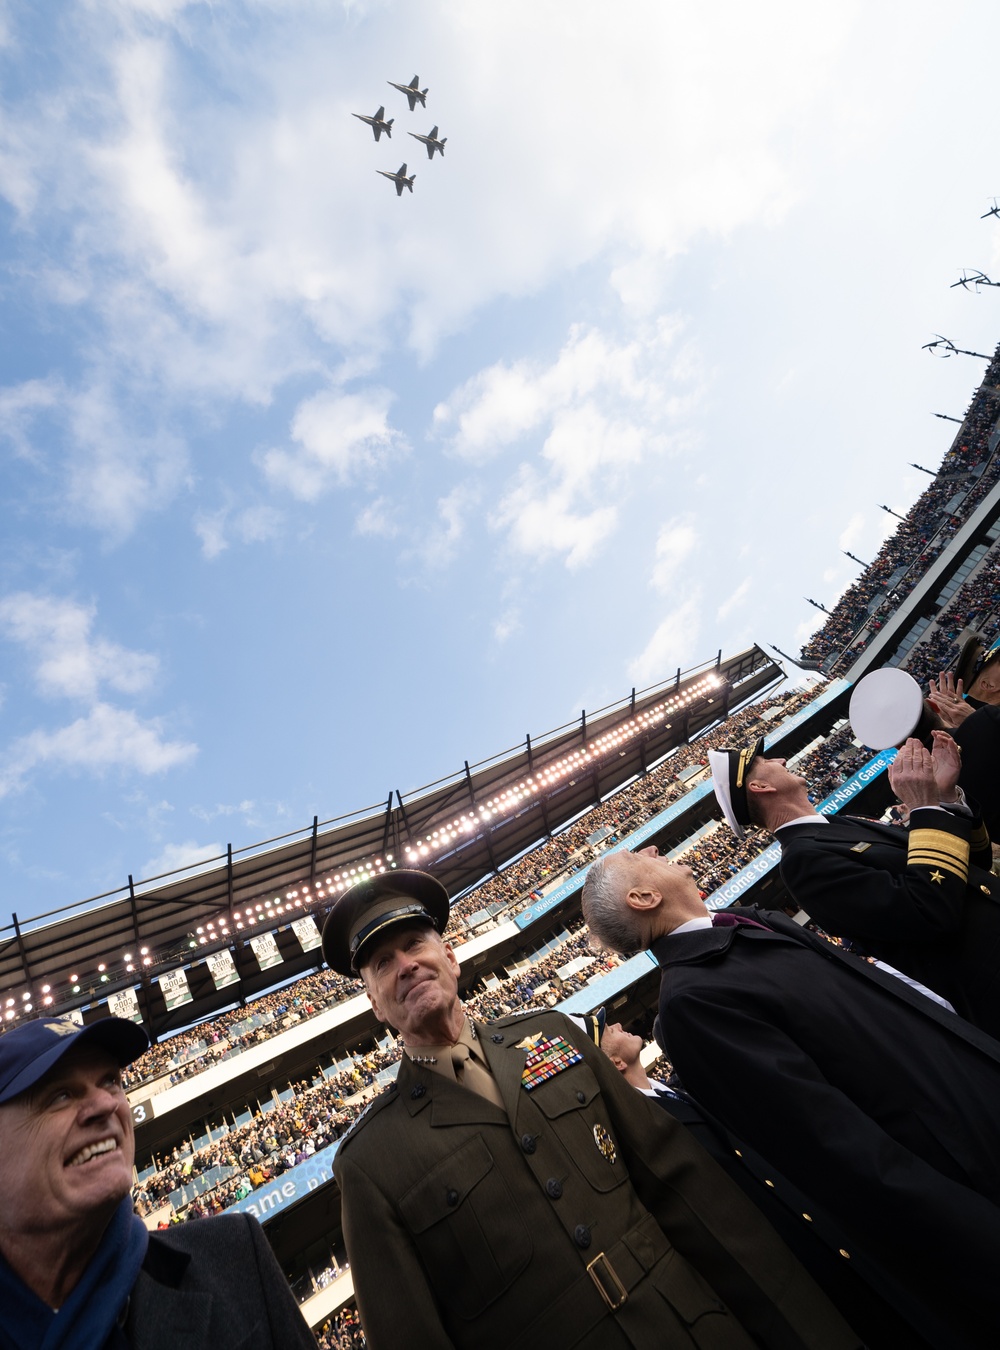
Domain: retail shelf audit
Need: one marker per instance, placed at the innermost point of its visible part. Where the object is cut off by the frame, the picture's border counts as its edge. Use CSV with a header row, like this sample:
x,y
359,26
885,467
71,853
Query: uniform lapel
x,y
449,1103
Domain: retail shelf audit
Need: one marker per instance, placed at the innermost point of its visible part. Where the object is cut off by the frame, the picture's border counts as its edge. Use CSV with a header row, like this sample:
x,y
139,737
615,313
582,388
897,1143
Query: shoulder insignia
x,y
516,1016
374,1106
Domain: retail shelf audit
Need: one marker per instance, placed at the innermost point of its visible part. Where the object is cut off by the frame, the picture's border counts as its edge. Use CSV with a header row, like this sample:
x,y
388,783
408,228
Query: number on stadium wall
x,y
140,1112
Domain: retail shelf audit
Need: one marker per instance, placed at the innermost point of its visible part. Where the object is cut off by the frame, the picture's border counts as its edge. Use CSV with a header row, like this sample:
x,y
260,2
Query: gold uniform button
x,y
845,1255
738,1153
769,1183
985,889
808,1217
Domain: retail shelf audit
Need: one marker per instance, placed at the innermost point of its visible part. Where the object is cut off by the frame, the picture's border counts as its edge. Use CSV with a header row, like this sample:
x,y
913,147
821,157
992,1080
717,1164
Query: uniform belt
x,y
605,1286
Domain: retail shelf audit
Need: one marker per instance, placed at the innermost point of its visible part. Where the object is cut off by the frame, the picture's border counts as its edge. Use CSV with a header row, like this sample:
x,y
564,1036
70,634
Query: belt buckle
x,y
609,1286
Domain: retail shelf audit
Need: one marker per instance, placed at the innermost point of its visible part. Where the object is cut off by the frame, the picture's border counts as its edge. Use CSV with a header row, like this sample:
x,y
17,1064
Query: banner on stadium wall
x,y
266,950
307,933
829,806
290,1186
74,1015
175,989
125,1004
222,969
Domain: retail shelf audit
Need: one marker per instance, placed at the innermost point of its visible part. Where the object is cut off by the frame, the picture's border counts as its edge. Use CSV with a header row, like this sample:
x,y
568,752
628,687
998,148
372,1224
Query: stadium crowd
x,y
904,557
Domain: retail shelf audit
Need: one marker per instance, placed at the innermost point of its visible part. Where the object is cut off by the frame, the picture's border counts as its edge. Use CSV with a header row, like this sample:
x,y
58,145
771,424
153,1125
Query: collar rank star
x,y
605,1143
548,1056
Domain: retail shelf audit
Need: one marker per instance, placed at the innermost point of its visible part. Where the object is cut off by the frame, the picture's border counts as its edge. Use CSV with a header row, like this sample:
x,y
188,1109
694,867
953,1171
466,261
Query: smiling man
x,y
77,1267
512,1191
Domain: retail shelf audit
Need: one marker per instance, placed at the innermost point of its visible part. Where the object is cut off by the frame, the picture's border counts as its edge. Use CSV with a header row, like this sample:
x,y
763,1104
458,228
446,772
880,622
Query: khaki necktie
x,y
473,1076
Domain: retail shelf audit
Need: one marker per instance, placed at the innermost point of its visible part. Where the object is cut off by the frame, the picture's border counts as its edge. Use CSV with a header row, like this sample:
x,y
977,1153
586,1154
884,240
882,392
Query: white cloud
x,y
210,813
252,525
377,519
111,466
675,542
106,738
339,437
186,856
440,544
70,662
674,643
734,601
601,409
541,522
850,536
503,403
507,624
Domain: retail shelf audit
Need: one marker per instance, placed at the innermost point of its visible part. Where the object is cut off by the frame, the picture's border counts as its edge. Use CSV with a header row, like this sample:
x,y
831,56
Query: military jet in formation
x,y
377,123
431,141
399,178
412,92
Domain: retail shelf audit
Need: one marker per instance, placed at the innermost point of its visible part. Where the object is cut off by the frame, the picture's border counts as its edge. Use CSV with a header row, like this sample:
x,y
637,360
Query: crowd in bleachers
x,y
193,1050
904,557
509,892
342,1332
975,606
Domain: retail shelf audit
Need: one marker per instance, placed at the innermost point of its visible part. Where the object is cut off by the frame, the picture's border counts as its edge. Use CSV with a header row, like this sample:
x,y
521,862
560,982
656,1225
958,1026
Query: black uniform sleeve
x,y
852,897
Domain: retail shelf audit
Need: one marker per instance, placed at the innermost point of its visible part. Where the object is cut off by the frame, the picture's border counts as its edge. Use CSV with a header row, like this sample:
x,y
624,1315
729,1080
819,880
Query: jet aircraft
x,y
993,211
377,123
412,91
431,141
399,178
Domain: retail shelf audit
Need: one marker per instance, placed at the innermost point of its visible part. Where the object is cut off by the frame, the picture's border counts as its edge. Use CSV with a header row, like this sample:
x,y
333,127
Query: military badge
x,y
548,1056
605,1143
530,1042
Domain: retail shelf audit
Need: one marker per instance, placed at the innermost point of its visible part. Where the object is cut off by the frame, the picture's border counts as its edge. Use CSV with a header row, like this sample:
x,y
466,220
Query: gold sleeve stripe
x,y
937,841
932,860
980,838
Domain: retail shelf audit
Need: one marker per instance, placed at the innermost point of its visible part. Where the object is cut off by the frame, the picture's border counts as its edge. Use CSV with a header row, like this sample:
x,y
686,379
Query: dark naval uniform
x,y
922,900
576,1216
873,1100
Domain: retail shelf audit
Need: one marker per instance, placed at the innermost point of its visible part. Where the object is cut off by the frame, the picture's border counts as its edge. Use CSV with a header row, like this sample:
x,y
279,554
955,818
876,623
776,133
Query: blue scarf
x,y
87,1318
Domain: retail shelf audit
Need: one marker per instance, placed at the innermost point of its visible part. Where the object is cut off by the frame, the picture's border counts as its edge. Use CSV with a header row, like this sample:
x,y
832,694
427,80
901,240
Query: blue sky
x,y
311,492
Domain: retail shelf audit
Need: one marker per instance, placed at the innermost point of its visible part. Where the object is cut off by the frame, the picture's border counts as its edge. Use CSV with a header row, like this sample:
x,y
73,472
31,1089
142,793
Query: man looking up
x,y
867,1095
515,1193
916,899
78,1270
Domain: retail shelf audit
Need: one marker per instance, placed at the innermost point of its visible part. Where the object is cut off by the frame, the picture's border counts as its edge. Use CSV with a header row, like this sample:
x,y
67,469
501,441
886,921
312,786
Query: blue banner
x,y
289,1187
829,806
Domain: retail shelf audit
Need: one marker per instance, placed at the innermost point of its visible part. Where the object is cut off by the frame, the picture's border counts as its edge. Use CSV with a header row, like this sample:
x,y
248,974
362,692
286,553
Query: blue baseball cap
x,y
29,1051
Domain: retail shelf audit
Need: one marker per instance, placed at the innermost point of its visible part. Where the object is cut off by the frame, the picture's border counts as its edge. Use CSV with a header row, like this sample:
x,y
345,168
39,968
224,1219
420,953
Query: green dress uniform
x,y
576,1215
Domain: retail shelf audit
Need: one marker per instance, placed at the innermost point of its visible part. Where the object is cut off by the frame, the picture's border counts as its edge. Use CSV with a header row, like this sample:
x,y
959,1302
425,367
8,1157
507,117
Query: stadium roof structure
x,y
463,828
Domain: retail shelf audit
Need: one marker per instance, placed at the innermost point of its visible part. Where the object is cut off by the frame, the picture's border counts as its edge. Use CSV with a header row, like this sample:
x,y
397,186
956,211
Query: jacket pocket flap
x,y
445,1186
